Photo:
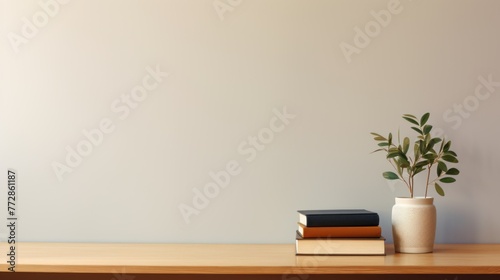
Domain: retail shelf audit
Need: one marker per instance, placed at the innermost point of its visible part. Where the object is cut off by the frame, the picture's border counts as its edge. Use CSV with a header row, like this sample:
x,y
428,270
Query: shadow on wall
x,y
457,224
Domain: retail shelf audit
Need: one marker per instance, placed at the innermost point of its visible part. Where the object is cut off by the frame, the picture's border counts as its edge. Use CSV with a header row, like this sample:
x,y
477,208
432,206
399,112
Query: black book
x,y
338,218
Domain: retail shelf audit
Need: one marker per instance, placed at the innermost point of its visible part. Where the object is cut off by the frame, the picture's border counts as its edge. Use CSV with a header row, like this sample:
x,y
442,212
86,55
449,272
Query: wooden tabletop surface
x,y
244,259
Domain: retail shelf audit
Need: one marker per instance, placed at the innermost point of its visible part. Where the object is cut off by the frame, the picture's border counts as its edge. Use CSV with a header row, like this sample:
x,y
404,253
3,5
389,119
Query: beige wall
x,y
233,68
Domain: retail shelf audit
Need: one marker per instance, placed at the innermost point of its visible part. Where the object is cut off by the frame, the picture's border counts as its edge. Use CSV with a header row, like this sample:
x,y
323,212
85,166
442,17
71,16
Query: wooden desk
x,y
117,260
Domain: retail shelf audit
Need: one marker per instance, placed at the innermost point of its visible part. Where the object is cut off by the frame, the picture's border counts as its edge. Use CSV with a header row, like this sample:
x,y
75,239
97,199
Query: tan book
x,y
369,231
339,246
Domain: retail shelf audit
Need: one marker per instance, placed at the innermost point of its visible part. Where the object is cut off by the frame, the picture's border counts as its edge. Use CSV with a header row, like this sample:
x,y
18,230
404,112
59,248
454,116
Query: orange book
x,y
369,231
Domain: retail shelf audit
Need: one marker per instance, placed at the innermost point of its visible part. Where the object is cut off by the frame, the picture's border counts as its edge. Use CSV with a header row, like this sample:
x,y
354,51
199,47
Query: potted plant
x,y
414,217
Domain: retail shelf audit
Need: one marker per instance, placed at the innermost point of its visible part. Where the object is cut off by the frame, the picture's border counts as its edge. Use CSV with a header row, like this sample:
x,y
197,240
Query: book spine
x,y
338,232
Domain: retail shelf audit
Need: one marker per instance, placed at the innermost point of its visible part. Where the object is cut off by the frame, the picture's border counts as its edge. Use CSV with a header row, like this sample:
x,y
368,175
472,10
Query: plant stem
x,y
401,177
428,178
412,185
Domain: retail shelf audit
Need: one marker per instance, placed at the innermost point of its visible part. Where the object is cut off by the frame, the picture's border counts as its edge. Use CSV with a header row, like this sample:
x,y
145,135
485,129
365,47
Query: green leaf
x,y
424,118
416,151
443,166
402,155
377,150
389,139
421,146
392,155
375,134
417,130
452,171
418,170
378,137
439,190
410,116
383,144
430,148
393,150
406,144
411,120
450,158
427,139
442,145
422,163
436,140
451,153
439,171
390,175
448,180
447,146
404,163
429,157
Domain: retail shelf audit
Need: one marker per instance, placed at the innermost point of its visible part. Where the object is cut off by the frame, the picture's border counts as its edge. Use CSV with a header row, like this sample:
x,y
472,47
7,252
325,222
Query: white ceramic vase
x,y
414,224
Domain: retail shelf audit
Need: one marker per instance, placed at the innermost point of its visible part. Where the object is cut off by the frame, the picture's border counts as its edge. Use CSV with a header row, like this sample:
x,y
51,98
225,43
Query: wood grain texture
x,y
244,259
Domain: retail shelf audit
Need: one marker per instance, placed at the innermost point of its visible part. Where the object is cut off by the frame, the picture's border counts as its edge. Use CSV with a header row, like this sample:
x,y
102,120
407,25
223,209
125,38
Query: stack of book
x,y
339,232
